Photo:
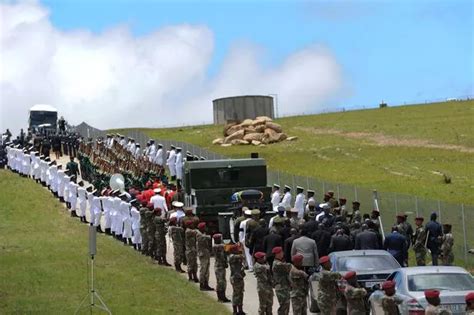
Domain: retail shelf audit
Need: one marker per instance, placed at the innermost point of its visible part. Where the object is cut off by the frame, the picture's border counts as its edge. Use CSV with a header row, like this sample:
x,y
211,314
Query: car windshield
x,y
366,263
441,281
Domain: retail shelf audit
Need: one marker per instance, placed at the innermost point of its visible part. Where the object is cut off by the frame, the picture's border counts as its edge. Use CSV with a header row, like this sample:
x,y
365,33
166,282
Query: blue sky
x,y
393,50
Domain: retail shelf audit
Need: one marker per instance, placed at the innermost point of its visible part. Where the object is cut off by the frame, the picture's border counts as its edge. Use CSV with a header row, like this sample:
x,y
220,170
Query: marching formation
x,y
282,251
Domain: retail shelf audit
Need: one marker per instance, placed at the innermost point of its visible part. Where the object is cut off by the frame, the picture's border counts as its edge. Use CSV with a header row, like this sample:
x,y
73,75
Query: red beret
x,y
419,218
297,259
235,249
173,220
388,285
259,255
470,297
343,199
217,236
202,225
323,259
188,223
350,275
150,206
157,210
277,250
431,294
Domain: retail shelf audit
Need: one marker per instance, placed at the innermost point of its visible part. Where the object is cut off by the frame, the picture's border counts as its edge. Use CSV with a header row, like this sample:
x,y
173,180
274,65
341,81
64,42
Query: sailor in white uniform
x,y
299,201
82,201
287,198
151,151
159,155
179,164
135,218
171,162
276,198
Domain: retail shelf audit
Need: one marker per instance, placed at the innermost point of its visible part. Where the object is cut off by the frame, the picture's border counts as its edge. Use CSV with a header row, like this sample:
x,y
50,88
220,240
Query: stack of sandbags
x,y
260,131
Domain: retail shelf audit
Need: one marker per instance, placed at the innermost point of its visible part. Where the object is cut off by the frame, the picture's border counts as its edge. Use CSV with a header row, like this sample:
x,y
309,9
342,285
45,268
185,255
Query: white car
x,y
453,283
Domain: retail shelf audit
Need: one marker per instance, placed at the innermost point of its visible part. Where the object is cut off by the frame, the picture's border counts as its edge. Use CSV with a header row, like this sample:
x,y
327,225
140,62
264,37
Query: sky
x,y
156,63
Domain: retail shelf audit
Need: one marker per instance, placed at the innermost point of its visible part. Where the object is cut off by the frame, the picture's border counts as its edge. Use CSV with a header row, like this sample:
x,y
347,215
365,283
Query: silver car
x,y
453,283
372,268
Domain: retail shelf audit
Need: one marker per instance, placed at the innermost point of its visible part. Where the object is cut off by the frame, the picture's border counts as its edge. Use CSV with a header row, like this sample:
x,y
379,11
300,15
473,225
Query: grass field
x,y
403,149
43,263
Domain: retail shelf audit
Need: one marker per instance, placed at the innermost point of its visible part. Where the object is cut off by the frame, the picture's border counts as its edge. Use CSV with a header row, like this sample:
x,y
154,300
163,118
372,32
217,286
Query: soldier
x,y
237,274
189,216
390,301
151,229
447,256
177,237
264,284
419,242
327,294
281,277
275,196
203,250
160,238
299,286
470,303
299,202
144,226
355,216
433,308
220,265
355,295
191,251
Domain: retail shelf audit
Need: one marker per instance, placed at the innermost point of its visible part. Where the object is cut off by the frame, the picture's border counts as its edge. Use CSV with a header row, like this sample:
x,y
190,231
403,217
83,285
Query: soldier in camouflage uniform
x,y
390,301
281,278
419,242
150,231
355,295
299,286
447,255
328,288
160,238
237,274
264,284
143,228
220,265
191,251
177,237
203,250
433,308
189,217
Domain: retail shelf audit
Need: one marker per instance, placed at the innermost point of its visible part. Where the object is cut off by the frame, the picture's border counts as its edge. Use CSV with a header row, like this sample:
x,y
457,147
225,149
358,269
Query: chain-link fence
x,y
460,216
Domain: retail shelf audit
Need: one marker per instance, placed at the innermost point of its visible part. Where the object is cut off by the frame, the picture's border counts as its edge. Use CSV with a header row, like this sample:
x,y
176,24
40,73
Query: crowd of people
x,y
281,251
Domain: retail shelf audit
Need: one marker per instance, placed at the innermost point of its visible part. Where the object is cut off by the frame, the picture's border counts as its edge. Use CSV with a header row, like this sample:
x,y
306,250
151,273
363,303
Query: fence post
x,y
416,205
396,204
439,211
355,193
294,187
307,183
338,195
464,232
278,178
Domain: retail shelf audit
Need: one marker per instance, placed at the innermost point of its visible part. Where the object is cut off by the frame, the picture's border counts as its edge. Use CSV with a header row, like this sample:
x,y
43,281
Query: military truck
x,y
210,187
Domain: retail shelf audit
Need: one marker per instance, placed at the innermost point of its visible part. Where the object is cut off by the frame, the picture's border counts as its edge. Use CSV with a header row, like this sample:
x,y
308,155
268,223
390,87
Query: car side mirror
x,y
376,287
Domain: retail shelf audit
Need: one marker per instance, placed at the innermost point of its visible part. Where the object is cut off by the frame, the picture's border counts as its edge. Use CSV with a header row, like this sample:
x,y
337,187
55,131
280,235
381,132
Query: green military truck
x,y
210,185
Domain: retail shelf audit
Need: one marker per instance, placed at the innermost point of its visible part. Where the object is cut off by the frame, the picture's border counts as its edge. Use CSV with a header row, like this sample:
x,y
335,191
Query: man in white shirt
x,y
287,198
299,201
159,201
276,198
159,155
171,162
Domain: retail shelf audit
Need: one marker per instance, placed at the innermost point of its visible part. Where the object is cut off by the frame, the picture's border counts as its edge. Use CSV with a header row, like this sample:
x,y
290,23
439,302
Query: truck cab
x,y
210,184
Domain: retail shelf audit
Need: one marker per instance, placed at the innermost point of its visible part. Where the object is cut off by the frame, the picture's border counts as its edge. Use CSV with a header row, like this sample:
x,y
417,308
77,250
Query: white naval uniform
x,y
107,207
135,218
275,200
73,198
125,219
81,200
151,153
179,165
116,216
286,201
60,182
171,162
159,157
242,234
159,201
299,205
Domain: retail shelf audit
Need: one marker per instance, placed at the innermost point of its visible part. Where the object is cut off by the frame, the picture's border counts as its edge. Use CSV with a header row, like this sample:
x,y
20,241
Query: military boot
x,y
241,310
178,268
195,277
190,276
221,297
235,310
207,287
165,262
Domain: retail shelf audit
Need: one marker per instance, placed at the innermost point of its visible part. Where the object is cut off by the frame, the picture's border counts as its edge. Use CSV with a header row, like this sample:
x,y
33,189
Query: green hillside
x,y
43,263
404,149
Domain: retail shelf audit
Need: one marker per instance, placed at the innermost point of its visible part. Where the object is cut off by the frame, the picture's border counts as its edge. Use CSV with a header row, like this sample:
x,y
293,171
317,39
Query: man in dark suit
x,y
396,244
271,241
322,237
340,242
434,232
288,243
367,239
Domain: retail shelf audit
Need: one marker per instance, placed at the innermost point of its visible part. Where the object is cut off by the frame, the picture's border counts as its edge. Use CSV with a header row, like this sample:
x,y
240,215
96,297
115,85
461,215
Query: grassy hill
x,y
43,263
404,149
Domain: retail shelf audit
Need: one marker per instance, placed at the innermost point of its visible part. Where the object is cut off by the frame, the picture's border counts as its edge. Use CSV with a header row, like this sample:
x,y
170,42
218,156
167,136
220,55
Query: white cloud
x,y
116,79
